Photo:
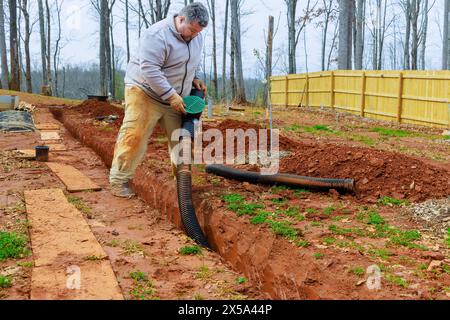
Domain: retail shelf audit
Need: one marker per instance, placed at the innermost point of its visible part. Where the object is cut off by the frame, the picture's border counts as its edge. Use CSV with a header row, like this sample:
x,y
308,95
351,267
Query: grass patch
x,y
362,139
190,250
381,253
260,218
388,201
81,206
346,232
329,241
12,246
396,280
292,212
204,273
302,243
329,210
237,204
283,229
143,288
138,276
318,256
392,132
241,280
132,247
357,271
5,282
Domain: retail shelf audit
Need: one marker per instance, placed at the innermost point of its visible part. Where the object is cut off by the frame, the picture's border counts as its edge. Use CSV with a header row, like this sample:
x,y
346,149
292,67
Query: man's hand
x,y
199,85
177,103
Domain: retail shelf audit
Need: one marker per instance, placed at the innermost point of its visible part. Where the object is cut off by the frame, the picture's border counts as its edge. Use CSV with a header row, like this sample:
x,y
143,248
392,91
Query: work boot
x,y
122,190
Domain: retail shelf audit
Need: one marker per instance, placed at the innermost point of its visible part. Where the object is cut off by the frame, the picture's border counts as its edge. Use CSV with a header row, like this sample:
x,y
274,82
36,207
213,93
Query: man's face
x,y
189,30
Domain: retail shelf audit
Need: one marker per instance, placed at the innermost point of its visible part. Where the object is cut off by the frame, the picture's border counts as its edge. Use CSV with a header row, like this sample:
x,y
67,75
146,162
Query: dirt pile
x,y
377,173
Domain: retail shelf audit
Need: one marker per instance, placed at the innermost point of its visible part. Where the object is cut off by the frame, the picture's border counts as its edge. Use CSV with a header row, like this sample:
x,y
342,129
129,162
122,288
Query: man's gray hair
x,y
196,12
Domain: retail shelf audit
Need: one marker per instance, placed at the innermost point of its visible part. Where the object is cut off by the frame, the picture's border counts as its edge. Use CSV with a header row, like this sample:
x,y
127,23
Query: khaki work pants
x,y
142,113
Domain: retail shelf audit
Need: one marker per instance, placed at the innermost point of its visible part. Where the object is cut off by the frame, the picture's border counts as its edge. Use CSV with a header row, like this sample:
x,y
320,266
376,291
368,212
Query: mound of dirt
x,y
376,173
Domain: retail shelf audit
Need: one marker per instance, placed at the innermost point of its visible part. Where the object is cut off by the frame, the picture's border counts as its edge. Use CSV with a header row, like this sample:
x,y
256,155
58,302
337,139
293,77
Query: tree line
x,y
355,34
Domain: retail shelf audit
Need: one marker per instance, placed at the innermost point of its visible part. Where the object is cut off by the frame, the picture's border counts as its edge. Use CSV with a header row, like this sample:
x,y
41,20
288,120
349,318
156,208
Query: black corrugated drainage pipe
x,y
289,180
184,184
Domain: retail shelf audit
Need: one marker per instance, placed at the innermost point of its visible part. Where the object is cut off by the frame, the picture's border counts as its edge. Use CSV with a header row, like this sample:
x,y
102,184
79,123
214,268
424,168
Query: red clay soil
x,y
269,261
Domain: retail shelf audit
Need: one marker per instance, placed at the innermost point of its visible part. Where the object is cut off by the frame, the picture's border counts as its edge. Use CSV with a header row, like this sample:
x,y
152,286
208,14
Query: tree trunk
x,y
446,40
43,43
415,7
14,46
127,28
102,53
424,36
268,61
359,41
26,15
232,57
291,9
113,62
345,35
212,10
224,66
407,61
49,48
57,48
240,84
4,56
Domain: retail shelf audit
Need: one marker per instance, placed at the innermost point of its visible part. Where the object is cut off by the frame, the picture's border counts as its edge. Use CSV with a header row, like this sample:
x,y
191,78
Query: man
x,y
163,71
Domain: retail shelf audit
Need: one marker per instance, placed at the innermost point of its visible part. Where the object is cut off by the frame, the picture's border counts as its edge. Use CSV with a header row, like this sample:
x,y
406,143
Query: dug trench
x,y
270,261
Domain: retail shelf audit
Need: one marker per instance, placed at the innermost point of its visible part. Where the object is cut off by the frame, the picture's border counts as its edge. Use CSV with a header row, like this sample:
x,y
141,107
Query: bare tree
x,y
446,39
43,43
345,34
406,5
4,56
212,11
328,12
14,47
295,28
127,29
240,97
56,54
25,11
359,40
224,62
269,52
415,10
49,48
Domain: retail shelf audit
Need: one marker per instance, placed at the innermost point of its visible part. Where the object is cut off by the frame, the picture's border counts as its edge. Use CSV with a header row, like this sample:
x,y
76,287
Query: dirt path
x,y
142,246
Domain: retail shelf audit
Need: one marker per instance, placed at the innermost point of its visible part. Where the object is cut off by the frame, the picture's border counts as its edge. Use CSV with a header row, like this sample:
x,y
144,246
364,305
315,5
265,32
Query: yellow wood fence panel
x,y
417,97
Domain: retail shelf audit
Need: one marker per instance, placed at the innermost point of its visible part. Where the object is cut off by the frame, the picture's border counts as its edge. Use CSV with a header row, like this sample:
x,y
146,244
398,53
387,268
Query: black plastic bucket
x,y
42,153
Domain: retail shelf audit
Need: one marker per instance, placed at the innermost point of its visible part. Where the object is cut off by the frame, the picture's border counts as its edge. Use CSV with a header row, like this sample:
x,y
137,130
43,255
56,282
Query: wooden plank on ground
x,y
47,126
50,135
28,154
69,261
73,179
56,147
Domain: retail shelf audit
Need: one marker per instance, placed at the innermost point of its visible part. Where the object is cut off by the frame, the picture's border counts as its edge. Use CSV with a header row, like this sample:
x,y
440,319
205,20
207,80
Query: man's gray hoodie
x,y
165,62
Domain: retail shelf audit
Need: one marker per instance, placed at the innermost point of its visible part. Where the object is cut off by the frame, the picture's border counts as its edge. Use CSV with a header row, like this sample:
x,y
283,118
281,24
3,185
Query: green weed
x,y
283,229
358,271
81,206
5,282
12,246
392,132
386,201
396,280
241,280
190,250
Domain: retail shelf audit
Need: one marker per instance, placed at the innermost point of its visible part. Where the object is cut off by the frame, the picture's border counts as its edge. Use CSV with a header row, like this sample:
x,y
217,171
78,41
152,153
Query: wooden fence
x,y
417,97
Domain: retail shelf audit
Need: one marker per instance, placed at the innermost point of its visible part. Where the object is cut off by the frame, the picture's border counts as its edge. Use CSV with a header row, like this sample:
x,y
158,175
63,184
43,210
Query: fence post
x,y
287,91
400,98
363,94
332,90
307,90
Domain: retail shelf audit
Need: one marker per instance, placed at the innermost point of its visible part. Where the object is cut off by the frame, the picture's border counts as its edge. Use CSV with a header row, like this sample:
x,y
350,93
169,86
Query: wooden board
x,y
47,126
56,147
50,135
73,179
28,154
61,238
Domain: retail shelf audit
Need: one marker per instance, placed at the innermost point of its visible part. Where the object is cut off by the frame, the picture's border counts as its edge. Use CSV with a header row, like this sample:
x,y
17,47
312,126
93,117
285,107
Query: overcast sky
x,y
80,33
